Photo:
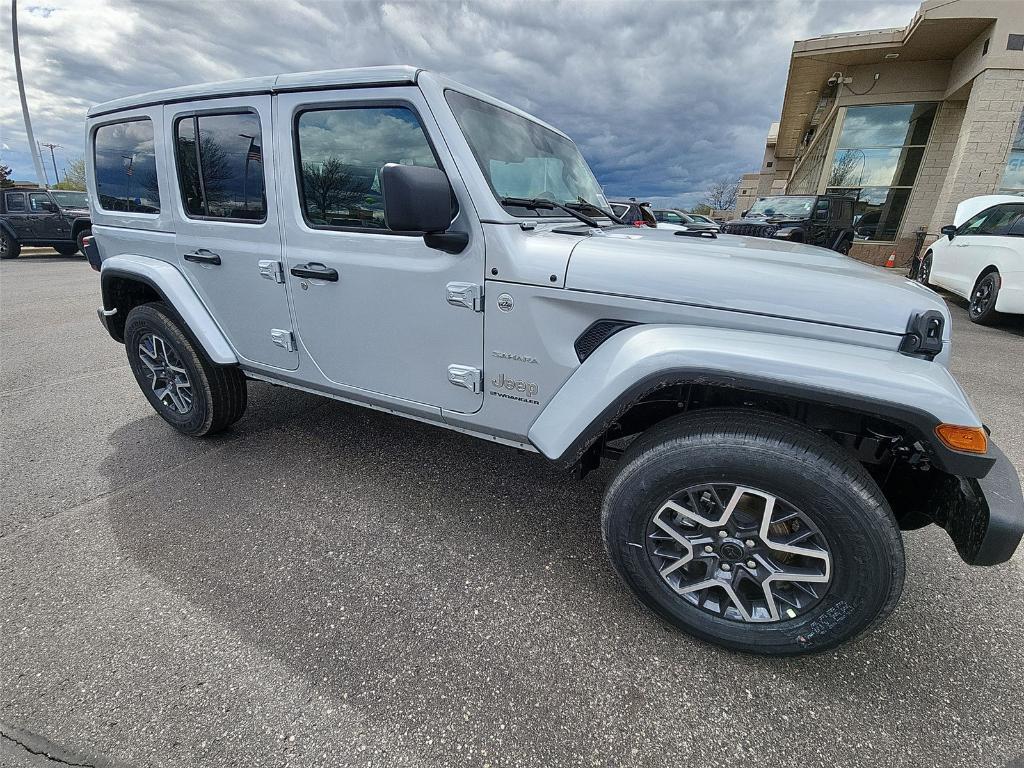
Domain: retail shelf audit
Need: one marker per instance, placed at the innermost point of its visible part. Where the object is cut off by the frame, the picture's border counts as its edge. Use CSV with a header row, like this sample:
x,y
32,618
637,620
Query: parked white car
x,y
981,257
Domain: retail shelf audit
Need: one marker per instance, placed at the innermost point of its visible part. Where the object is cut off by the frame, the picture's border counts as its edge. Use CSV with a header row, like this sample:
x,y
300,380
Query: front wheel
x,y
924,270
80,240
753,532
66,249
982,309
189,391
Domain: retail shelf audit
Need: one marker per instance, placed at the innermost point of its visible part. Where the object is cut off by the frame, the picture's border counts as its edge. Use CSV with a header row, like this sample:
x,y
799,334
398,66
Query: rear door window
x,y
220,166
996,220
125,161
15,202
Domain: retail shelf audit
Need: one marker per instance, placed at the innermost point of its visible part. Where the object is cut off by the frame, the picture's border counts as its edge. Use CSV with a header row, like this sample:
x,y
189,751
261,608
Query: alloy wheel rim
x,y
982,297
739,553
169,380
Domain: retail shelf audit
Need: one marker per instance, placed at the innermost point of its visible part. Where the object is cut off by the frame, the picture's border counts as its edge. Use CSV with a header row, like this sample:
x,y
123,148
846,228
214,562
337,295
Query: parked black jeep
x,y
57,219
825,220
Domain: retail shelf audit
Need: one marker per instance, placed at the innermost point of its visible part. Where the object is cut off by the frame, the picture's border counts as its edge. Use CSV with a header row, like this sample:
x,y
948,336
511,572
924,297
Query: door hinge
x,y
468,295
283,339
466,376
271,270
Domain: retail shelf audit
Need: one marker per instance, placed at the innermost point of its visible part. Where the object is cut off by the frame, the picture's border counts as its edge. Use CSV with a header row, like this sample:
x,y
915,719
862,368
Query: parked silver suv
x,y
389,237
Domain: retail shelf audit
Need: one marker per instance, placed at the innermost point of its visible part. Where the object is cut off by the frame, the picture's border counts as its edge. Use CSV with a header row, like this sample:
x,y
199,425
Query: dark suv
x,y
825,220
58,219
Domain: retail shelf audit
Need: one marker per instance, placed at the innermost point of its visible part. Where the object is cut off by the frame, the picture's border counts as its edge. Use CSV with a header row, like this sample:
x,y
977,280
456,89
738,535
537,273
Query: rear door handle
x,y
315,271
203,256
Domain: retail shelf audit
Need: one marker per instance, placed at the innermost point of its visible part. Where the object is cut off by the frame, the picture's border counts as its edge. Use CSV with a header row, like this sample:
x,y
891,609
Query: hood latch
x,y
924,335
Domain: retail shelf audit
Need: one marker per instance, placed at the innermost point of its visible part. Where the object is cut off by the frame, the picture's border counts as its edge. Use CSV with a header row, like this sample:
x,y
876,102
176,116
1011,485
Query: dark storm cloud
x,y
662,97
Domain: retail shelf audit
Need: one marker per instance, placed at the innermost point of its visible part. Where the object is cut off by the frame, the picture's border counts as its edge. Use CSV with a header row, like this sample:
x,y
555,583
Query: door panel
x,y
45,224
385,325
228,235
17,214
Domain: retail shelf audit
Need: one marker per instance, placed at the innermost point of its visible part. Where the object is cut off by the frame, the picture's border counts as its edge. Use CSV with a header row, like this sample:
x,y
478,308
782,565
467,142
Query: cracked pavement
x,y
328,586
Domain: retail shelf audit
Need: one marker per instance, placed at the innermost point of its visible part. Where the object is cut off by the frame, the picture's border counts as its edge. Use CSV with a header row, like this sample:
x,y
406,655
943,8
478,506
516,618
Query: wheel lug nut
x,y
749,543
726,567
751,564
708,548
722,534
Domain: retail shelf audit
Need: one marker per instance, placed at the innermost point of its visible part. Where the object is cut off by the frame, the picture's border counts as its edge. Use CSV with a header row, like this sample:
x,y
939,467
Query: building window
x,y
1013,175
1015,43
770,163
126,167
229,153
876,162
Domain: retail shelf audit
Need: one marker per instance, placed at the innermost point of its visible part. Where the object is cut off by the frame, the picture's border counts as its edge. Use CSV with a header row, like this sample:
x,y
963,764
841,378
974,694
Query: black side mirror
x,y
419,199
949,231
821,214
744,214
49,207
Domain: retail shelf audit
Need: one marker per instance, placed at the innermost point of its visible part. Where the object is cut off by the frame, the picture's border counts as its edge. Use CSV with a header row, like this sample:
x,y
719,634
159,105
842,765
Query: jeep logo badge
x,y
505,302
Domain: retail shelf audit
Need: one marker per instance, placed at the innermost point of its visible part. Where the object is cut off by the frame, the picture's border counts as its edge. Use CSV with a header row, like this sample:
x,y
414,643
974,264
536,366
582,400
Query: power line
x,y
51,147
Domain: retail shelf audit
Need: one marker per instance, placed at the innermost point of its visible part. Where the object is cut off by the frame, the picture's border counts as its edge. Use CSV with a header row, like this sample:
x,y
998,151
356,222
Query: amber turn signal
x,y
970,439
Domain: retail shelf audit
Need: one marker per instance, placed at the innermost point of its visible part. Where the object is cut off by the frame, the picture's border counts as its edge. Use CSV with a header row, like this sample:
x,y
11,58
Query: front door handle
x,y
203,256
315,271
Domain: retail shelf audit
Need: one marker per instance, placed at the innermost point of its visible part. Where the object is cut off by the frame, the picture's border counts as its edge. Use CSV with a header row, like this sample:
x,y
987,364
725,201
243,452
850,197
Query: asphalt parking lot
x,y
326,586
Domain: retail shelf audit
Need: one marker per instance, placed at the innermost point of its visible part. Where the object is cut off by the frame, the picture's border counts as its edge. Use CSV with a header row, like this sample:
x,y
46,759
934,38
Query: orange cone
x,y
891,261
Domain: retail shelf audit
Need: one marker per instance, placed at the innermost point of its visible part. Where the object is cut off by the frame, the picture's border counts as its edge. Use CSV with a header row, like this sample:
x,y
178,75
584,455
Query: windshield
x,y
782,206
66,199
520,158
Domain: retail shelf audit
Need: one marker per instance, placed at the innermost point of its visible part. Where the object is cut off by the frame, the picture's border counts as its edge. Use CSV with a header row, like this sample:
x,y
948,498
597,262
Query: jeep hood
x,y
749,274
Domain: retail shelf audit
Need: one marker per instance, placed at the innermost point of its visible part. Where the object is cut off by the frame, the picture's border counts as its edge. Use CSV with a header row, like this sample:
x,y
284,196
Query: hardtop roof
x,y
328,78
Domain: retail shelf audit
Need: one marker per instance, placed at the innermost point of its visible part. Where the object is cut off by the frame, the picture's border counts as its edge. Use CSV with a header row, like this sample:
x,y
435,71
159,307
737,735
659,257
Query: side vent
x,y
597,334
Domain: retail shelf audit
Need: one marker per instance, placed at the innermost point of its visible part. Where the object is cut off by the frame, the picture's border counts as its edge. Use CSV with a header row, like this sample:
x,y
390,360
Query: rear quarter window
x,y
125,160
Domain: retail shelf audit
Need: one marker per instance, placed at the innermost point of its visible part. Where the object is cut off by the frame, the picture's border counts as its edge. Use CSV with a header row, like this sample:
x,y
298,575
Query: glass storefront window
x,y
876,161
1013,175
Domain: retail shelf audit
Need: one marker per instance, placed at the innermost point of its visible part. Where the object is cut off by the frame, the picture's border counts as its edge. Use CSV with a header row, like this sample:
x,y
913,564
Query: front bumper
x,y
985,516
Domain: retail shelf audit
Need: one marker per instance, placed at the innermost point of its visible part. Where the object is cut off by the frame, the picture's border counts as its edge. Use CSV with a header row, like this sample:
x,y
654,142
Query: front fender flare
x,y
175,290
916,394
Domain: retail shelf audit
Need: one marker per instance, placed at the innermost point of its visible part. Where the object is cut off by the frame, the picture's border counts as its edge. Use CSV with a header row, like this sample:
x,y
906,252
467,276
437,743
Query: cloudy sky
x,y
662,97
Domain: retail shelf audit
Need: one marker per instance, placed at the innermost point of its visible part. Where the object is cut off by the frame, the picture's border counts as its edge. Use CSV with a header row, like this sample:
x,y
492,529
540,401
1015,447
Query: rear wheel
x,y
189,391
753,532
844,247
982,309
9,247
66,249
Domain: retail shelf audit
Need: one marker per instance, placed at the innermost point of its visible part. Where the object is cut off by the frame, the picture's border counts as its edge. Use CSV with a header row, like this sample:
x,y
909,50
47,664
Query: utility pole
x,y
24,102
51,147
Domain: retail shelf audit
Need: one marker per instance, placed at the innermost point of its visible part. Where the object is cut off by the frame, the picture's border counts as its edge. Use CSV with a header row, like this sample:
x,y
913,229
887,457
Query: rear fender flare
x,y
176,292
913,393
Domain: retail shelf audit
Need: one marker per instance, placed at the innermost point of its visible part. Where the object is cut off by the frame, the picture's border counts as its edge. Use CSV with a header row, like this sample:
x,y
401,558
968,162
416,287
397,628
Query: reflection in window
x,y
229,152
1013,175
341,154
876,162
126,167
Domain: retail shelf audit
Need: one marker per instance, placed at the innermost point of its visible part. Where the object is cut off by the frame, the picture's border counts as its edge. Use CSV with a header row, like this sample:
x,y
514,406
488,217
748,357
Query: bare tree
x,y
843,166
721,195
330,185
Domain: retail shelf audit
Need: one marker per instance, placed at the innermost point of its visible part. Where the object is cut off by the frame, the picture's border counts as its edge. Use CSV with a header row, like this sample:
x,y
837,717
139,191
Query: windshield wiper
x,y
541,203
584,203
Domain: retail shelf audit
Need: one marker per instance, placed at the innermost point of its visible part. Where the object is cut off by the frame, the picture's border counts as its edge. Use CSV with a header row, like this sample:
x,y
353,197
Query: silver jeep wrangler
x,y
389,237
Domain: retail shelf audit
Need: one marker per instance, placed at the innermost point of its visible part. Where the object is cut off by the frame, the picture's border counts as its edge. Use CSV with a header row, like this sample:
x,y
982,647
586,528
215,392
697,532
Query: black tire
x,y
777,456
843,246
924,271
66,249
982,307
82,234
9,247
218,393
